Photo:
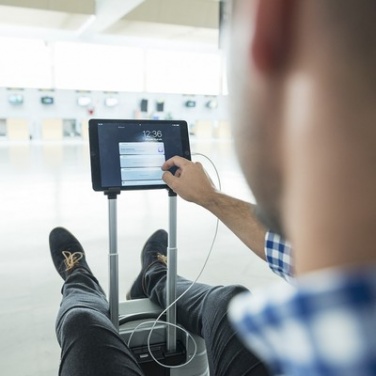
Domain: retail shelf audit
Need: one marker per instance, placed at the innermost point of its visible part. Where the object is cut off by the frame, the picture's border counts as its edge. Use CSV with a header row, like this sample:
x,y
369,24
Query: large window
x,y
98,67
83,66
182,72
25,63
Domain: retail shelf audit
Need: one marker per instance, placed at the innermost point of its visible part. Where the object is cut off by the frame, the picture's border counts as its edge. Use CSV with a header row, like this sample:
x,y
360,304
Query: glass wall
x,y
182,72
98,67
30,63
25,63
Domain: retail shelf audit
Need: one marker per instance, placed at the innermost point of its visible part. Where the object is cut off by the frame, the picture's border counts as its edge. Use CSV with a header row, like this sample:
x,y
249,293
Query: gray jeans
x,y
90,345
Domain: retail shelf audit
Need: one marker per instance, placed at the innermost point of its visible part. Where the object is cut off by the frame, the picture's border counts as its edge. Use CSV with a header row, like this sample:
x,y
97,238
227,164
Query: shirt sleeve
x,y
278,255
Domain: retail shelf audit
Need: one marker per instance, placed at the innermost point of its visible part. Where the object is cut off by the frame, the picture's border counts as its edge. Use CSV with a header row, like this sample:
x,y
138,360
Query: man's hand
x,y
190,181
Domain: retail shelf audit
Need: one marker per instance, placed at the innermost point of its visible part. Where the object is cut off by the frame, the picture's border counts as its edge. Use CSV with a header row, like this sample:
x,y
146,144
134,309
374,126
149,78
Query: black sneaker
x,y
66,252
154,251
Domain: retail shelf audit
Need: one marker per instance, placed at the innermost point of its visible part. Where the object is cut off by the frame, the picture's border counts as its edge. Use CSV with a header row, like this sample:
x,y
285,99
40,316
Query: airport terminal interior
x,y
63,63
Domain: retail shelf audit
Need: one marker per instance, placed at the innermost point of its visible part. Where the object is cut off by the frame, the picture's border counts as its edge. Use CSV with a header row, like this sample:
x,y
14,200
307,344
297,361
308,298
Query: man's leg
x,y
202,311
90,344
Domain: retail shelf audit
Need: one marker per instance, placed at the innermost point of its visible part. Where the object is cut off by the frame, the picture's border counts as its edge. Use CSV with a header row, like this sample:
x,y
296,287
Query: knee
x,y
220,297
215,312
77,321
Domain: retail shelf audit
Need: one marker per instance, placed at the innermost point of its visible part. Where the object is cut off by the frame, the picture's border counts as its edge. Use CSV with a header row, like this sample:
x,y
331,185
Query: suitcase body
x,y
137,318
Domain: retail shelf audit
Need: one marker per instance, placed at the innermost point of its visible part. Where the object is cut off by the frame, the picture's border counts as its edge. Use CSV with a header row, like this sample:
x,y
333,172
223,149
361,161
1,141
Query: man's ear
x,y
272,37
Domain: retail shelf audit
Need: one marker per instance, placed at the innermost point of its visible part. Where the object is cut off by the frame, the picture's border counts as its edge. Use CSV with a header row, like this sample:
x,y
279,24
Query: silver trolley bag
x,y
162,347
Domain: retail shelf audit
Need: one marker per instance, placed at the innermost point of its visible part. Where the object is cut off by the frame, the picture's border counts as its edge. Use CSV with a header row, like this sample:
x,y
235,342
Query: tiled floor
x,y
43,185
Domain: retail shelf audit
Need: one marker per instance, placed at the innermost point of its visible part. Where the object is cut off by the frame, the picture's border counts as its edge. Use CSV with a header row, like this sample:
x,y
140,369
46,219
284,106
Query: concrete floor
x,y
44,185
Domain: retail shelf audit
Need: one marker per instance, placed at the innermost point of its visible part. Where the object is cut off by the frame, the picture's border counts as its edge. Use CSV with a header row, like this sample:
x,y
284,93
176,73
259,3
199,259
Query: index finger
x,y
175,162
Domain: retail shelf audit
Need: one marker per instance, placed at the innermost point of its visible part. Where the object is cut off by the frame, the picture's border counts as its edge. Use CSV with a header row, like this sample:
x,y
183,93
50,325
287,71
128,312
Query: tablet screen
x,y
128,154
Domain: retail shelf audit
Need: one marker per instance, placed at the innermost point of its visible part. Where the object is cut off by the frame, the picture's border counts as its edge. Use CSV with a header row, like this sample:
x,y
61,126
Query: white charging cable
x,y
185,292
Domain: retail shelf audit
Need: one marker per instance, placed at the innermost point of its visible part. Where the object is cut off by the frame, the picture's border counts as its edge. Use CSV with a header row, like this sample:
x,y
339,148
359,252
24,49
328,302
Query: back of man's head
x,y
330,177
304,80
350,28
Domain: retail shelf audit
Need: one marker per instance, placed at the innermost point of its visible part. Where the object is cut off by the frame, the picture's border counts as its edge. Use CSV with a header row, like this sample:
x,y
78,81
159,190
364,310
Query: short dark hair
x,y
352,26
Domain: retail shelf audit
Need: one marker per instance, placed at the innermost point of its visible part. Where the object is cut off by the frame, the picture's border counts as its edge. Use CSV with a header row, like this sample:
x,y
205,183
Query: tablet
x,y
128,154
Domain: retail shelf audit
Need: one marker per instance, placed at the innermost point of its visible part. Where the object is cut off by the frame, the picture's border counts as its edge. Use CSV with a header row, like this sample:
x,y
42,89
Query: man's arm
x,y
193,184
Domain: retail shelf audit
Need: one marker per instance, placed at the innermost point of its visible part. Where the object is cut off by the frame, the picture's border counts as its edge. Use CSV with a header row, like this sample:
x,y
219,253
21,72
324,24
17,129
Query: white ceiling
x,y
171,22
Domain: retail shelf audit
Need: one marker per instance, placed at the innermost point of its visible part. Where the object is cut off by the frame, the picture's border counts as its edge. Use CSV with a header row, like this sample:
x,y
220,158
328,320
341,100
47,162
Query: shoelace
x,y
162,258
72,259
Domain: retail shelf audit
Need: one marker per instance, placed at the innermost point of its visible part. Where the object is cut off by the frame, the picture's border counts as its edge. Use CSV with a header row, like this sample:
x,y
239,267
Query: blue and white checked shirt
x,y
323,325
278,255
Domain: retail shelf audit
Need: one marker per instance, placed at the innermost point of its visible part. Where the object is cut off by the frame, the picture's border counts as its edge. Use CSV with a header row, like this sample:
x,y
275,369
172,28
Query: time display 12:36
x,y
153,133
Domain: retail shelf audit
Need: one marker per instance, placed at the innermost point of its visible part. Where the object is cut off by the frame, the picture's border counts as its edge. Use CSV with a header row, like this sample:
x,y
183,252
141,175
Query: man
x,y
90,343
303,88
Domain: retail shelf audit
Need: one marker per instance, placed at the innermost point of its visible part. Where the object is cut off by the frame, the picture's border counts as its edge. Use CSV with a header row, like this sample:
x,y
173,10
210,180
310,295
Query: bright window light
x,y
98,67
183,72
33,63
25,63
